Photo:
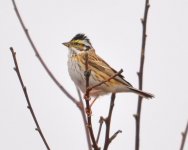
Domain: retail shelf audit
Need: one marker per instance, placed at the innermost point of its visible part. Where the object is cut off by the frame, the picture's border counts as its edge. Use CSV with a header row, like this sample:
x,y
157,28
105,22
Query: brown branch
x,y
84,119
40,58
88,109
140,75
101,121
16,68
46,67
107,121
107,80
114,135
184,135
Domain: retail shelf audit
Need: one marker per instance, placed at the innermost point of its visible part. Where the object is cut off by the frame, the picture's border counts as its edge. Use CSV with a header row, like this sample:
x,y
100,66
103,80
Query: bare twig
x,y
114,135
184,135
16,68
88,109
100,127
75,101
40,58
102,82
107,121
84,119
110,78
140,75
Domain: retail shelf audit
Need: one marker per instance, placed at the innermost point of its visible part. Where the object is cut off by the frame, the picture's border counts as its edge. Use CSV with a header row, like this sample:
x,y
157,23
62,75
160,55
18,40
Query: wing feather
x,y
98,63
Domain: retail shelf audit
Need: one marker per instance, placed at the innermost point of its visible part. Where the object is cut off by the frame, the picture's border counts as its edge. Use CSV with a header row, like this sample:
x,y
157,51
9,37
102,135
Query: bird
x,y
99,69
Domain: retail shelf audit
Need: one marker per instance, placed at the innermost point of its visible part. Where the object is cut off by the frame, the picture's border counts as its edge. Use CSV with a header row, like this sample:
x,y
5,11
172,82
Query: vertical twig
x,y
107,121
184,135
84,119
88,109
60,86
100,127
140,75
16,68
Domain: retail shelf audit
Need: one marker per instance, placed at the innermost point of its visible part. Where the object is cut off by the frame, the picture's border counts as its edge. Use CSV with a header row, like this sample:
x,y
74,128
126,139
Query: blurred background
x,y
115,31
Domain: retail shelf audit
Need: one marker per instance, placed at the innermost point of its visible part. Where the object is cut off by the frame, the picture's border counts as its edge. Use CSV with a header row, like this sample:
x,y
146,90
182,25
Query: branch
x,y
107,80
84,119
76,102
101,121
40,58
88,109
184,135
16,68
140,75
114,135
108,139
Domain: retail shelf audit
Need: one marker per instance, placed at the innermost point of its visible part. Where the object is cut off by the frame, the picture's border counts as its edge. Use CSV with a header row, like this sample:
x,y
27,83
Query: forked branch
x,y
60,86
107,80
101,121
16,68
88,109
107,121
75,101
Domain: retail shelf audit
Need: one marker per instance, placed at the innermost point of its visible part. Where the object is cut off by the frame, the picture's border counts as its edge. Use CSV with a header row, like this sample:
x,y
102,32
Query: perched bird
x,y
100,70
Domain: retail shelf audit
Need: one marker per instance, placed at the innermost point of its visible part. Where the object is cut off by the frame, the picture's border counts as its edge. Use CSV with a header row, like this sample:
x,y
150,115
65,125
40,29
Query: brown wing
x,y
98,63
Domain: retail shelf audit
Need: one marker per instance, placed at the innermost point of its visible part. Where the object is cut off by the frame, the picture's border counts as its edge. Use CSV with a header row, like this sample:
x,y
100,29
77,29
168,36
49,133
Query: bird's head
x,y
78,44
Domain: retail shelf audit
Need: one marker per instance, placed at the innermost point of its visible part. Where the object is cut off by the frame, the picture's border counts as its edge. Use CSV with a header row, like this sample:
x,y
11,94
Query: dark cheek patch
x,y
87,48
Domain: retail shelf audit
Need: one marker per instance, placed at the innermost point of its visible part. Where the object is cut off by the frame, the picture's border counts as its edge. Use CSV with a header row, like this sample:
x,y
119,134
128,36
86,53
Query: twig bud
x,y
135,116
87,73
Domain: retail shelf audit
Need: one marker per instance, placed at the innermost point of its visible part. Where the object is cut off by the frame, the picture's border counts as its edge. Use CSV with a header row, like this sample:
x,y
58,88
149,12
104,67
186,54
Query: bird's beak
x,y
66,44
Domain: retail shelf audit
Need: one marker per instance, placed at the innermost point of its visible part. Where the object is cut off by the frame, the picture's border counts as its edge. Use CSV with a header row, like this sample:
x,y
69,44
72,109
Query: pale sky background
x,y
115,31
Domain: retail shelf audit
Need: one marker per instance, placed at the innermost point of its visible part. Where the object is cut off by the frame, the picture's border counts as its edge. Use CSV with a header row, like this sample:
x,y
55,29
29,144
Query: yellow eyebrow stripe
x,y
78,41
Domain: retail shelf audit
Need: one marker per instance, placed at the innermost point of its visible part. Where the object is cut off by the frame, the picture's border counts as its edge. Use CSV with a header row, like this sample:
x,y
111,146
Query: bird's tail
x,y
141,93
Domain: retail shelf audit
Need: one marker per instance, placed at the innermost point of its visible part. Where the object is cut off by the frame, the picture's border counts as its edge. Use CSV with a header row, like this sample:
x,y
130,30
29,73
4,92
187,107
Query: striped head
x,y
78,44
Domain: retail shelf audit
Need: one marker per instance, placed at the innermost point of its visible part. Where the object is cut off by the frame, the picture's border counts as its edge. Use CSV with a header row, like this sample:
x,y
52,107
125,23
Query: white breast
x,y
76,74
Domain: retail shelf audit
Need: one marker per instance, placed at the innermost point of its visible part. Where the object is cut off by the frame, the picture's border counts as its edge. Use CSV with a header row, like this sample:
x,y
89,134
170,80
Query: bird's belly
x,y
77,75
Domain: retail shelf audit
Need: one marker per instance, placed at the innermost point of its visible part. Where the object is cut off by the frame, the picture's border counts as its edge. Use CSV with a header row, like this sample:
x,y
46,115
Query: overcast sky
x,y
114,29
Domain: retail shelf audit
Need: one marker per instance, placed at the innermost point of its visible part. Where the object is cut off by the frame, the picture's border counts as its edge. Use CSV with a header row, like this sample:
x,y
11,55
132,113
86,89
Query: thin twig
x,y
84,119
184,135
140,75
102,82
27,99
40,58
108,139
114,135
107,80
88,109
75,101
101,121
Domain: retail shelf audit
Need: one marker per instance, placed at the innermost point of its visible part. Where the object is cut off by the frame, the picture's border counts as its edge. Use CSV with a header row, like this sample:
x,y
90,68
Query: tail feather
x,y
142,93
